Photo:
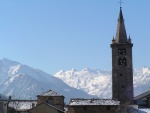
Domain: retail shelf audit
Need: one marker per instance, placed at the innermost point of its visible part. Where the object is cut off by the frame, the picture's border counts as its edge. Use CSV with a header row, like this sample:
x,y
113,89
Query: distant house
x,y
143,100
52,98
49,102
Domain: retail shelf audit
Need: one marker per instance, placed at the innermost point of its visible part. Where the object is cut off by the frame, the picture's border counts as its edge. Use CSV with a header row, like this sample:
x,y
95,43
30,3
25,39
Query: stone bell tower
x,y
122,72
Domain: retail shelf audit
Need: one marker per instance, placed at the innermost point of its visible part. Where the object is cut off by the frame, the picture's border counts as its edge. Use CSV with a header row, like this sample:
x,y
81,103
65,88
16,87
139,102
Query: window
x,y
122,86
50,98
122,61
121,75
121,51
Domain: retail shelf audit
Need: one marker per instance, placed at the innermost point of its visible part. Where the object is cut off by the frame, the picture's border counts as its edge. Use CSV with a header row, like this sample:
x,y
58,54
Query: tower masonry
x,y
122,71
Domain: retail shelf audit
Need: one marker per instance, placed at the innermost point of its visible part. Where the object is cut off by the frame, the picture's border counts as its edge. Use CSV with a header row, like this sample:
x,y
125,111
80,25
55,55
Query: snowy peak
x,y
142,71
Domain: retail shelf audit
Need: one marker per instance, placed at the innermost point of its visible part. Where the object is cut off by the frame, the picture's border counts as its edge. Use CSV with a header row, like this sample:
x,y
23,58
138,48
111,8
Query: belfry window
x,y
121,51
122,61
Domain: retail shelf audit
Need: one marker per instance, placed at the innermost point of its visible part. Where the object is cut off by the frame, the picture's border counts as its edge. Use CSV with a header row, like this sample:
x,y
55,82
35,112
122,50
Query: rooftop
x,y
80,101
50,93
22,105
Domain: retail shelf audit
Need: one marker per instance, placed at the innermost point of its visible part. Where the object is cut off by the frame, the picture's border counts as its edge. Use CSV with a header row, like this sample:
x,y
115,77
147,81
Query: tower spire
x,y
121,36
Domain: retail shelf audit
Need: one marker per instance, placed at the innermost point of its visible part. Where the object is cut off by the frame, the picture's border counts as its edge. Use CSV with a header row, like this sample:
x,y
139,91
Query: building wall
x,y
57,101
43,109
143,102
148,101
92,109
3,107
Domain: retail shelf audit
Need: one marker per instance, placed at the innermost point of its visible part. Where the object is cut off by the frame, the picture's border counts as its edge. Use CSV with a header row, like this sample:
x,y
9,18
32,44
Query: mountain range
x,y
99,83
24,82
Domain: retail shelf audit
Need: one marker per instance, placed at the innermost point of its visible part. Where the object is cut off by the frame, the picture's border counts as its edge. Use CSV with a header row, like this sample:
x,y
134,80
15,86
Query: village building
x,y
143,100
49,102
20,106
93,106
53,98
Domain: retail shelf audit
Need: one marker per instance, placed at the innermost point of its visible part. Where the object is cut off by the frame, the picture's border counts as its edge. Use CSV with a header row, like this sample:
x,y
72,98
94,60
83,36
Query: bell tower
x,y
122,72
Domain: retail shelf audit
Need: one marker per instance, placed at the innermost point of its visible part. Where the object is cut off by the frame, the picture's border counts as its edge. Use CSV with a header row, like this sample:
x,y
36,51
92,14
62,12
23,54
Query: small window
x,y
50,98
122,86
33,105
122,51
121,75
107,107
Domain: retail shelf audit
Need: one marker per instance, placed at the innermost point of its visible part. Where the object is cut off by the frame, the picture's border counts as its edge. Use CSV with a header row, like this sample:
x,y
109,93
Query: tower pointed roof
x,y
121,36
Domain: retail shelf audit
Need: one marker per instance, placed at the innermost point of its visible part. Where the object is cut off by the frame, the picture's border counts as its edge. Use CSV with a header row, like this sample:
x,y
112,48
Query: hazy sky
x,y
54,35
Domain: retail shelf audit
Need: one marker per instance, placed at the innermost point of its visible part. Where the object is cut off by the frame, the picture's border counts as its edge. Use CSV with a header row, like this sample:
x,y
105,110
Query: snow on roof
x,y
78,102
22,105
50,93
144,110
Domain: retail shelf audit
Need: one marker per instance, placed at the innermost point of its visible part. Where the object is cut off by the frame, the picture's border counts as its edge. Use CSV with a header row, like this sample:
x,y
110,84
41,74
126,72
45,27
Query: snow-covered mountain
x,y
94,82
97,82
23,82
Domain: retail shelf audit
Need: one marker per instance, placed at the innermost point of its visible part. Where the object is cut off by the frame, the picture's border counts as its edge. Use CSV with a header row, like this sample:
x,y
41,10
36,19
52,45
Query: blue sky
x,y
54,35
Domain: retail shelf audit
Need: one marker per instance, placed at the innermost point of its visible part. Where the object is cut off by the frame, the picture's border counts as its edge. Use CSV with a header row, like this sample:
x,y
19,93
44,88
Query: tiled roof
x,y
78,102
50,93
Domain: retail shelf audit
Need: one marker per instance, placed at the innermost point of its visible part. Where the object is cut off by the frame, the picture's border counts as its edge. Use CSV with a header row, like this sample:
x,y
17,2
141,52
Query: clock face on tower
x,y
122,61
121,51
